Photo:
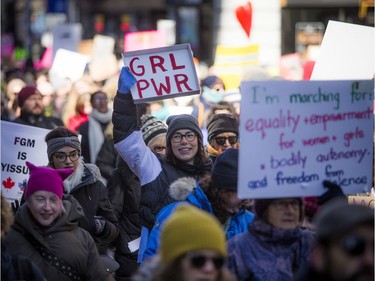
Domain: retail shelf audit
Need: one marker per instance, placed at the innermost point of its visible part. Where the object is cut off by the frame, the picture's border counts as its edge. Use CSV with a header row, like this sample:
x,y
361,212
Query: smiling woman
x,y
46,230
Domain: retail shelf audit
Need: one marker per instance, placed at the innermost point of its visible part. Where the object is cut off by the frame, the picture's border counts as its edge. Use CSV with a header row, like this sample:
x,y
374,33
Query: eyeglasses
x,y
178,137
353,245
61,157
198,261
221,140
283,205
158,148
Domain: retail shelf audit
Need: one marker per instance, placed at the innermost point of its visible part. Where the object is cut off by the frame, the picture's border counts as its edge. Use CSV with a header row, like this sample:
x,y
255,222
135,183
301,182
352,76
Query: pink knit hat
x,y
46,179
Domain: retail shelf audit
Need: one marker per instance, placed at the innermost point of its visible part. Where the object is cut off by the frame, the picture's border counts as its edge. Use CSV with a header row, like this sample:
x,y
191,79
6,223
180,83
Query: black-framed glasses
x,y
353,245
221,140
61,156
188,136
283,205
198,261
158,148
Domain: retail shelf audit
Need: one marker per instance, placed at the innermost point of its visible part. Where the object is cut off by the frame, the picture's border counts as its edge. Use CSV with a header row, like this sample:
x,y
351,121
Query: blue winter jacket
x,y
238,224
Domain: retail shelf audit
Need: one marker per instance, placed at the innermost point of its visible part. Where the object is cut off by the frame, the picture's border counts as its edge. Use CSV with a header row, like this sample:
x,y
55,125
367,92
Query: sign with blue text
x,y
294,135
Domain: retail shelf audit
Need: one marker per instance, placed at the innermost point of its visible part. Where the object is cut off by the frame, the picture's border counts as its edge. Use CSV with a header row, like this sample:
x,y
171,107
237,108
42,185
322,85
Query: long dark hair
x,y
214,196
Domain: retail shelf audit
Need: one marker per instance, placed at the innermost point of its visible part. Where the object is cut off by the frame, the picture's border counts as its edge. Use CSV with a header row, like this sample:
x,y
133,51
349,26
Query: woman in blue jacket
x,y
216,194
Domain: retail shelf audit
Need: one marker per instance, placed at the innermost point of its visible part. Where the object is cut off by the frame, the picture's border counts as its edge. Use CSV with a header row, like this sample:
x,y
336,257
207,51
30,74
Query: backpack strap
x,y
52,259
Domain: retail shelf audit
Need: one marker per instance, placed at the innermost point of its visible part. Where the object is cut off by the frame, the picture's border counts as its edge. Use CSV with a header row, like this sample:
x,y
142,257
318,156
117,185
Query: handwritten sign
x,y
162,73
294,135
20,143
368,201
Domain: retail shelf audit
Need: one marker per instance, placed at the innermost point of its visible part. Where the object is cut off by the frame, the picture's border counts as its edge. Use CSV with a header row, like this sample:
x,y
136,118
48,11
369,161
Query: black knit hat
x,y
261,206
151,128
225,170
220,123
182,121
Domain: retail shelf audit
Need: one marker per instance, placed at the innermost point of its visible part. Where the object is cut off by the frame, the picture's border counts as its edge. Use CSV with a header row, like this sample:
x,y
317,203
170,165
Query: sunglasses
x,y
353,245
198,261
221,140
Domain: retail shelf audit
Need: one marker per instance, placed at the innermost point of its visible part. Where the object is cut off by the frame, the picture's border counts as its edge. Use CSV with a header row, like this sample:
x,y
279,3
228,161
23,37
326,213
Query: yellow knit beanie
x,y
190,229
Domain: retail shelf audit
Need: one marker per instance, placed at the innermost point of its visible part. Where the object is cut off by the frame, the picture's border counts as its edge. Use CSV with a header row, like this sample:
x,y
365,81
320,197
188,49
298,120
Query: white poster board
x,y
20,143
162,73
347,52
103,46
66,36
67,65
294,135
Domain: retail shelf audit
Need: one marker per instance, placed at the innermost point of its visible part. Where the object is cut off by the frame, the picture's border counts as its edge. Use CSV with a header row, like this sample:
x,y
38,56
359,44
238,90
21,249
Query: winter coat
x,y
155,173
124,192
185,189
18,267
106,159
64,239
91,193
307,273
76,120
40,121
268,253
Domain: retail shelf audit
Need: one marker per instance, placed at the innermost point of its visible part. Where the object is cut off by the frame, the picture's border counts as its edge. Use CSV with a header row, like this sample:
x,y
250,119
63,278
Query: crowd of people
x,y
130,195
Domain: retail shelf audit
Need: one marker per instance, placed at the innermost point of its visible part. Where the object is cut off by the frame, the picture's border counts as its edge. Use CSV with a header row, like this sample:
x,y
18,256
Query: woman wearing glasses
x,y
222,133
184,153
275,246
192,248
64,151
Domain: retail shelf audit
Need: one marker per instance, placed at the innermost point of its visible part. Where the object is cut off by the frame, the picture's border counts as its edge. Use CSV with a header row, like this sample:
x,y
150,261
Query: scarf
x,y
74,179
196,171
96,134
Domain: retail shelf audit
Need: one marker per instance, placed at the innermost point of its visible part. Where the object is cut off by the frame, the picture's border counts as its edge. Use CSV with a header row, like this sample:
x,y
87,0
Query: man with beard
x,y
344,247
30,100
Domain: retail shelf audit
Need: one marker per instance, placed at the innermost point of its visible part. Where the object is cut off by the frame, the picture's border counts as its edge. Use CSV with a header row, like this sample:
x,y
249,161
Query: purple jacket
x,y
268,253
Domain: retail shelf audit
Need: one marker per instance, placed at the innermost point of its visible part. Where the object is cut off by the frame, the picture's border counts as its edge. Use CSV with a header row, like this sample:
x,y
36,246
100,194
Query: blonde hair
x,y
6,216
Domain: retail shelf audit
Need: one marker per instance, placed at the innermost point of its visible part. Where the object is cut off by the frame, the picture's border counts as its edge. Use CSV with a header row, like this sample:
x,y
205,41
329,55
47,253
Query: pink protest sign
x,y
294,135
144,40
162,73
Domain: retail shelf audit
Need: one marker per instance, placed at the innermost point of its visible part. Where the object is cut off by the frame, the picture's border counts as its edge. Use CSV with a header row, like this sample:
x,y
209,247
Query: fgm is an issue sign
x,y
162,73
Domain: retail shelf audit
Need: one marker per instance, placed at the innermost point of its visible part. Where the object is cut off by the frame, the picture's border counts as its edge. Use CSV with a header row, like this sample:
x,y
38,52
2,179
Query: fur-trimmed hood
x,y
181,188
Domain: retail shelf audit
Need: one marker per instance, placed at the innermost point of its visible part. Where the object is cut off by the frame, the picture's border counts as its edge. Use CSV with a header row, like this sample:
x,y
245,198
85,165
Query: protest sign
x,y
142,40
231,63
20,143
346,52
66,36
296,134
162,73
67,65
367,201
103,46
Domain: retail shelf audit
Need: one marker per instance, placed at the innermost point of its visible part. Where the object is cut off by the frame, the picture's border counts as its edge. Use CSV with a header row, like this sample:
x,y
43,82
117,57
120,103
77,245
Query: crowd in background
x,y
150,193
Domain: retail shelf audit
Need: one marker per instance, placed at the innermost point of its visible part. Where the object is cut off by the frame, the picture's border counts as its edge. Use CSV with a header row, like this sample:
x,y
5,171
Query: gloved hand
x,y
99,225
126,81
333,191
